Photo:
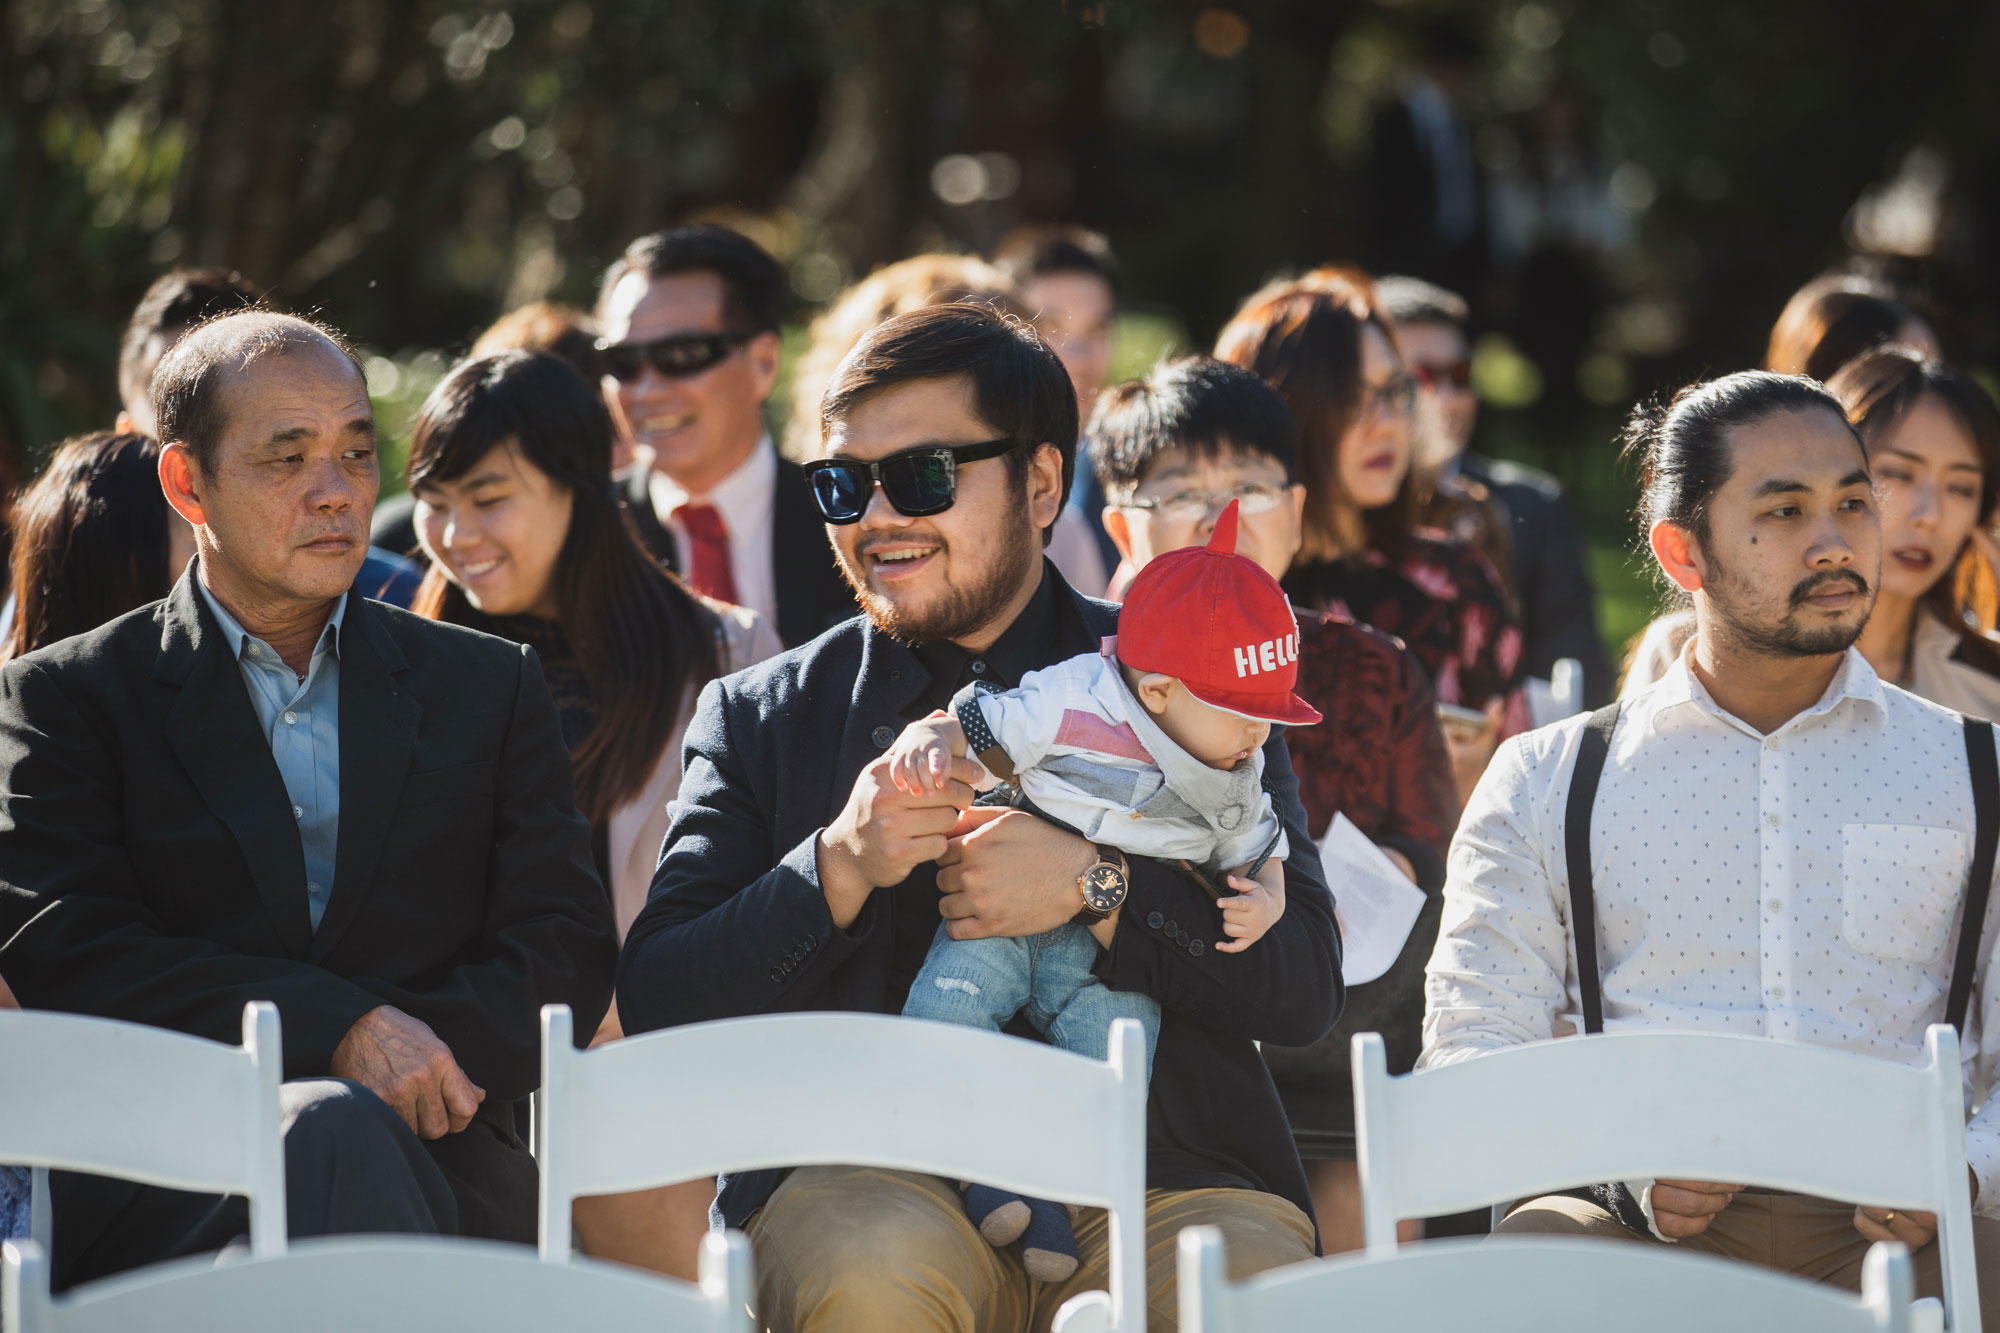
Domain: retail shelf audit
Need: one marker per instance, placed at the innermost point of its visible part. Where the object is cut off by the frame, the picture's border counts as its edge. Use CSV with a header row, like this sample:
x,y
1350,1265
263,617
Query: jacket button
x,y
883,737
811,943
1173,930
798,956
1196,947
777,974
1155,920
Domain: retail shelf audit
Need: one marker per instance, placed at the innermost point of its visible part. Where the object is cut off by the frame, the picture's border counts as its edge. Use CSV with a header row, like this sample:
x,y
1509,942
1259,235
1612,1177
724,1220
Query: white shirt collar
x,y
741,496
1854,679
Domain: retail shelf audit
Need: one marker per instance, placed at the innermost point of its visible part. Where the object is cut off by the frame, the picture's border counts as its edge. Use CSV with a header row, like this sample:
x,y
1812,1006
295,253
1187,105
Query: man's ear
x,y
1118,530
1045,495
1154,690
1678,555
763,353
180,478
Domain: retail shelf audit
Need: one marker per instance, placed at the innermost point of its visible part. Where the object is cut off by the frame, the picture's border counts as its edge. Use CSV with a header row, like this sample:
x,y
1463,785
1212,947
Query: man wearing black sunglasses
x,y
797,876
688,321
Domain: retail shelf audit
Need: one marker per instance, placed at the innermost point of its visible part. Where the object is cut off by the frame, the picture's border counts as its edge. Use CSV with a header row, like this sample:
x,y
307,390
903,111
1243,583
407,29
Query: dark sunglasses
x,y
677,357
1458,374
917,481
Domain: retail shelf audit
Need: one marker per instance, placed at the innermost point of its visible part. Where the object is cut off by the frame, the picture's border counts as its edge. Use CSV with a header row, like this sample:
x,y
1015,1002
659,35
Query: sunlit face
x,y
951,576
1073,310
1436,354
282,509
497,532
700,427
1927,482
1793,550
1270,538
1375,452
1219,738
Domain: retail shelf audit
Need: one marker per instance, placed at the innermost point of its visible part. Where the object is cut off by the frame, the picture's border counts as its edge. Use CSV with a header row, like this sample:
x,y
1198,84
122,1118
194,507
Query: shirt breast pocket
x,y
1900,885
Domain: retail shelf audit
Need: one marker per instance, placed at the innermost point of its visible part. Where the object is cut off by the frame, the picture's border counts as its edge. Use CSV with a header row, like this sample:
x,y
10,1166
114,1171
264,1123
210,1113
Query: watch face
x,y
1104,887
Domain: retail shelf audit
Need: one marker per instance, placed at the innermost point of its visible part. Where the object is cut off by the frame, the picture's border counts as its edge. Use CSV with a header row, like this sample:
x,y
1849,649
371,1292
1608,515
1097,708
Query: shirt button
x,y
252,650
1774,906
978,667
312,888
1771,819
298,812
883,737
1777,992
291,718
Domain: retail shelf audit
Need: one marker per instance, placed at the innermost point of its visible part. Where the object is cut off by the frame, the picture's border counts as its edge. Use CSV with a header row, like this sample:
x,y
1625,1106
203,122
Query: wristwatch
x,y
1104,886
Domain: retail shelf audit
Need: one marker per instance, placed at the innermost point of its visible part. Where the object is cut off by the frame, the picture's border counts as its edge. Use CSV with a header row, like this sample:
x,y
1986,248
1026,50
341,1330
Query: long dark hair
x,y
641,639
1877,389
90,540
1304,337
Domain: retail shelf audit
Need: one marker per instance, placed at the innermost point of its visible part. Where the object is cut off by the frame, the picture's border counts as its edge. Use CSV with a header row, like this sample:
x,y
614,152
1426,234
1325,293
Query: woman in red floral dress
x,y
1320,342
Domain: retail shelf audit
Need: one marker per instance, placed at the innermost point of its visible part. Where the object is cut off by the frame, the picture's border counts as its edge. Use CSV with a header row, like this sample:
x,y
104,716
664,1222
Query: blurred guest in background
x,y
1321,342
1423,208
1550,576
1069,280
1831,320
91,537
511,466
688,322
1173,449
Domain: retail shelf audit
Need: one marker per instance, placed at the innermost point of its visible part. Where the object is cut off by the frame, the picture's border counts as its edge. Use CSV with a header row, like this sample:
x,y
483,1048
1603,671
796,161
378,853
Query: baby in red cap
x,y
1151,747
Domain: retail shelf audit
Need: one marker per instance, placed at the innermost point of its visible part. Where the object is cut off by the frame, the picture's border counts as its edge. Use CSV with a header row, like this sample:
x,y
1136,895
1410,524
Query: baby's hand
x,y
920,758
1245,917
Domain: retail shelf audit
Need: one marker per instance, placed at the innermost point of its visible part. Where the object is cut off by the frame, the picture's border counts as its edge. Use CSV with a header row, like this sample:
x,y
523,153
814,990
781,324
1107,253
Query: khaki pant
x,y
1808,1237
844,1249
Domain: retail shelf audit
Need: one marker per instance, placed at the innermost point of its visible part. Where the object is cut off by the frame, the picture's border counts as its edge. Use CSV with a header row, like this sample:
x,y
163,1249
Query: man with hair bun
x,y
1778,841
267,787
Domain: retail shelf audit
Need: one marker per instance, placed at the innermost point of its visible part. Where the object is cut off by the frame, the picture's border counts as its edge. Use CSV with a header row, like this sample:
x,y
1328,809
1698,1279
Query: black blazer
x,y
1551,576
812,595
736,923
150,869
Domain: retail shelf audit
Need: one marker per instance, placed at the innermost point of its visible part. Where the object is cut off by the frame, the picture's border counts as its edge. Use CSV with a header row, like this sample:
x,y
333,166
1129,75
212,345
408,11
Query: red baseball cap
x,y
1219,623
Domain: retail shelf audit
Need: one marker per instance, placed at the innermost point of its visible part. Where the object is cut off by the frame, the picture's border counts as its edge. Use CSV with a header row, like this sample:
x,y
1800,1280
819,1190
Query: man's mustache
x,y
1807,587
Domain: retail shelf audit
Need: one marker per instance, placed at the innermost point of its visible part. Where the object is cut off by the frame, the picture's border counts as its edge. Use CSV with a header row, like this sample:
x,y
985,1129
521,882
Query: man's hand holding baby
x,y
1254,909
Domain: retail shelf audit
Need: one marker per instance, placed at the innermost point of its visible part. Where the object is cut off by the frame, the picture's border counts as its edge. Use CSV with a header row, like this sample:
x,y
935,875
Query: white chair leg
x,y
1086,1312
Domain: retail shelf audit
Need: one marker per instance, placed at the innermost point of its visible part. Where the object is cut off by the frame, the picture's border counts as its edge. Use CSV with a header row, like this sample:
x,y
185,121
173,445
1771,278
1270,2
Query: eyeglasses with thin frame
x,y
677,357
1396,395
1192,506
917,482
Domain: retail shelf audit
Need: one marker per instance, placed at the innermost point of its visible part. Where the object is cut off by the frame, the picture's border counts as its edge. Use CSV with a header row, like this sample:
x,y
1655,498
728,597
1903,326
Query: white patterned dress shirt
x,y
1802,886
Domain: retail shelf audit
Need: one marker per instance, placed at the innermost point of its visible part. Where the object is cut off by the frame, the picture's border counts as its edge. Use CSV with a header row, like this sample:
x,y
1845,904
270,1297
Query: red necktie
x,y
710,572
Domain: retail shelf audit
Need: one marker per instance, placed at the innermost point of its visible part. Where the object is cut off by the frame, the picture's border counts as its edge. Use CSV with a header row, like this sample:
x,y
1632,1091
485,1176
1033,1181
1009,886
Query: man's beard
x,y
962,611
1787,637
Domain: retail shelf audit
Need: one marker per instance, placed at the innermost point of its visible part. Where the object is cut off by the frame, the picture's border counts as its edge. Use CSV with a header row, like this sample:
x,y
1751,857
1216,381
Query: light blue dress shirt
x,y
301,720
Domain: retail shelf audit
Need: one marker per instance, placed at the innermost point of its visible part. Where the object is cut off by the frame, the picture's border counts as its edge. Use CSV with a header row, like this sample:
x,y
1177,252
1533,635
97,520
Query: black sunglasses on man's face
x,y
918,481
677,357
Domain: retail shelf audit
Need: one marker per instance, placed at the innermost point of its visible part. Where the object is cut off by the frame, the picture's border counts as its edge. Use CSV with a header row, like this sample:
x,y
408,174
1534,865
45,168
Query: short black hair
x,y
1040,249
1019,387
753,283
1198,404
176,301
1407,300
187,397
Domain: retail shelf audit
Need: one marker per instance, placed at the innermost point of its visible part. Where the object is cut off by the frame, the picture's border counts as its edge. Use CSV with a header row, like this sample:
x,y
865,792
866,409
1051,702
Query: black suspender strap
x,y
1980,758
1595,744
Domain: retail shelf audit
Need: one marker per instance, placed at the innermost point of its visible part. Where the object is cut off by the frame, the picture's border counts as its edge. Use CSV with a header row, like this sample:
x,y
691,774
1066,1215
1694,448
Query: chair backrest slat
x,y
145,1104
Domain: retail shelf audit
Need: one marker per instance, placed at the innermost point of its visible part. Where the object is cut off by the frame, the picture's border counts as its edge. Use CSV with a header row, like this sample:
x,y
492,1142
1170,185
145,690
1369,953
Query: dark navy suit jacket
x,y
736,923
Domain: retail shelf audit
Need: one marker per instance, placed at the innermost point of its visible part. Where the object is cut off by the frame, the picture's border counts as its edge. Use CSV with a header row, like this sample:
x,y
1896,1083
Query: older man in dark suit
x,y
268,787
796,876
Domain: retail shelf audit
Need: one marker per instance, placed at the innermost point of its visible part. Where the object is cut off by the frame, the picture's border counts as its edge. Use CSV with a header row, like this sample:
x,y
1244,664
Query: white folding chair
x,y
1534,1286
141,1103
1554,1115
860,1090
386,1285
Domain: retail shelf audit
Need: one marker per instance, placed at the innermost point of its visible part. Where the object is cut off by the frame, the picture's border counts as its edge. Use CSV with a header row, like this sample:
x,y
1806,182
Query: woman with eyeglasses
x,y
1321,342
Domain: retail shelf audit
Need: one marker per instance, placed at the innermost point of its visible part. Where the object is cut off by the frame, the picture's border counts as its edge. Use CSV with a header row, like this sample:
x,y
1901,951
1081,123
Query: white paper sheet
x,y
1374,902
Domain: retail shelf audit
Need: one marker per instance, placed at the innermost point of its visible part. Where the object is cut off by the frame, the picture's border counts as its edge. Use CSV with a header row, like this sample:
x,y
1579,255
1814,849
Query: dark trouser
x,y
351,1165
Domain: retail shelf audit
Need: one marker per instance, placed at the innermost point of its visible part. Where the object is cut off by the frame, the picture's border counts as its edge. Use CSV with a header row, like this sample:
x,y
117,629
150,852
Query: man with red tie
x,y
689,342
